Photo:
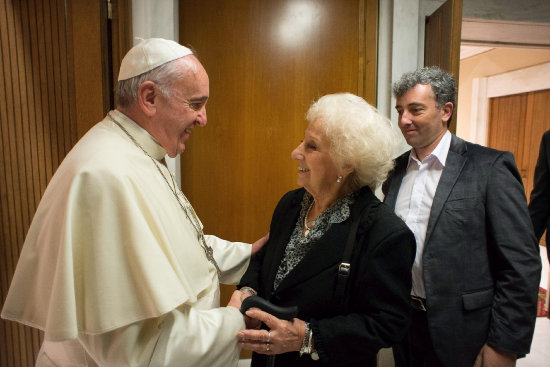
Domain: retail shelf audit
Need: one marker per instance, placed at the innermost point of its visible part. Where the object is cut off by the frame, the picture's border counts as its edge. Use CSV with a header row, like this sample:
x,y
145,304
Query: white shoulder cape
x,y
109,245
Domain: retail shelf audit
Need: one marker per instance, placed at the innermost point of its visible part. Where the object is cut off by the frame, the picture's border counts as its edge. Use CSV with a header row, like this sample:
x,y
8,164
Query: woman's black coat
x,y
376,309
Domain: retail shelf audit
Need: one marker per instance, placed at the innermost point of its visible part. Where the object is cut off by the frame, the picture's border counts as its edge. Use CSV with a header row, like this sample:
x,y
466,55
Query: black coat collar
x,y
327,251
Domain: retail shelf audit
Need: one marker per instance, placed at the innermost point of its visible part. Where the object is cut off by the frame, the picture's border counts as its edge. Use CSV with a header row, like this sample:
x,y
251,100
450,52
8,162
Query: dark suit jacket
x,y
539,206
377,296
481,259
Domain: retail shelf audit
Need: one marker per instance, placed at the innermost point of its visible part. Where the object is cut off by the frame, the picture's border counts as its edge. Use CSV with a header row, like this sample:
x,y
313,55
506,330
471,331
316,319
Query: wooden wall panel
x,y
121,34
263,77
442,41
507,124
516,124
267,61
91,84
36,133
53,88
537,107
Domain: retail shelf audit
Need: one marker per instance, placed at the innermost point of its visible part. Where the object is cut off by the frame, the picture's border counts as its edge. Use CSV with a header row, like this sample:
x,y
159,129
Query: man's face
x,y
184,109
421,122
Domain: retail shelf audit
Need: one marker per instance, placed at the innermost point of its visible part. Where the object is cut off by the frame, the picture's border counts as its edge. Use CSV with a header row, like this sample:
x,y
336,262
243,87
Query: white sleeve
x,y
183,337
232,258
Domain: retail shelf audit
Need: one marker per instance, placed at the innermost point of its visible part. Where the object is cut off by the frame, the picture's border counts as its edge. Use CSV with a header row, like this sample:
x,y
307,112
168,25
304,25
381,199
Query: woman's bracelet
x,y
249,290
306,343
313,351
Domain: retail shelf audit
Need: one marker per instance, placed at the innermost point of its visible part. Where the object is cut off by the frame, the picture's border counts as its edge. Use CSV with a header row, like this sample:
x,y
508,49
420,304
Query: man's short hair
x,y
443,84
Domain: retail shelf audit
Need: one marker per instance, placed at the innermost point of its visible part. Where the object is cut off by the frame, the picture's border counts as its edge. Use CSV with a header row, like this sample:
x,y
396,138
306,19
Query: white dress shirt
x,y
415,198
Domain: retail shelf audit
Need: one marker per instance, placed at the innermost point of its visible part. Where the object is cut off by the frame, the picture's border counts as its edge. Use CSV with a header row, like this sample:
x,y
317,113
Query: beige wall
x,y
493,62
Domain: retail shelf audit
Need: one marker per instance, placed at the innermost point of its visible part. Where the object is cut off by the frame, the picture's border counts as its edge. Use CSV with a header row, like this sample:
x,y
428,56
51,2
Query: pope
x,y
115,268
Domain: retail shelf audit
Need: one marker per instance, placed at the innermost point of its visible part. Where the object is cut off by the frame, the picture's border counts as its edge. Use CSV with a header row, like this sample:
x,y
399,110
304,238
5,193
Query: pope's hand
x,y
256,246
236,300
250,322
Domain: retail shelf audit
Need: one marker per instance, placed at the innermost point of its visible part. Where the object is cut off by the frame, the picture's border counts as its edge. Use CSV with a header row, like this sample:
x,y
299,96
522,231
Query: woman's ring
x,y
267,347
268,337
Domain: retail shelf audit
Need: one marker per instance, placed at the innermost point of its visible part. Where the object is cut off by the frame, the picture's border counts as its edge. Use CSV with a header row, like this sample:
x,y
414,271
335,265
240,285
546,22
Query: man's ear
x,y
447,111
147,98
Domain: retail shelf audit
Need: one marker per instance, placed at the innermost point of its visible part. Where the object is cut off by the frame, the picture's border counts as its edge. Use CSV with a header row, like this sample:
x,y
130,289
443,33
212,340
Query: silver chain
x,y
307,228
187,209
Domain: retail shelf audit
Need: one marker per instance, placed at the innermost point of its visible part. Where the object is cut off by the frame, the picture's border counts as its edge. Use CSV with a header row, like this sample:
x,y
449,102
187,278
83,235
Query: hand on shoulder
x,y
256,246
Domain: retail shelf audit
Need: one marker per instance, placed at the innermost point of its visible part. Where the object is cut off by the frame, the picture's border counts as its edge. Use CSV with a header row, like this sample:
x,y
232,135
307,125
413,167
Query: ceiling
x,y
500,23
535,11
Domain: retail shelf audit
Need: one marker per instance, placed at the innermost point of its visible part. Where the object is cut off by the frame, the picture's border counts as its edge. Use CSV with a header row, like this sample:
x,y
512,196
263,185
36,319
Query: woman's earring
x,y
339,179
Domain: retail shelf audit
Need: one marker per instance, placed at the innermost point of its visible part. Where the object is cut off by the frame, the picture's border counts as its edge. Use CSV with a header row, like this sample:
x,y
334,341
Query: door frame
x,y
442,34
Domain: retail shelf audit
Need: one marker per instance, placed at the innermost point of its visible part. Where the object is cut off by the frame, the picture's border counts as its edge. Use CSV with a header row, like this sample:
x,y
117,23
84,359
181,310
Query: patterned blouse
x,y
299,245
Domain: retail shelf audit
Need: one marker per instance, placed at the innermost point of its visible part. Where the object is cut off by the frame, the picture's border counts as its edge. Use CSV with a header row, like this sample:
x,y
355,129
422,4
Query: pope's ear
x,y
147,98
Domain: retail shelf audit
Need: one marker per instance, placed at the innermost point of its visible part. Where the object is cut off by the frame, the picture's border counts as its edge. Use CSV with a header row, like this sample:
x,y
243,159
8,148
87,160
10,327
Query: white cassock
x,y
112,269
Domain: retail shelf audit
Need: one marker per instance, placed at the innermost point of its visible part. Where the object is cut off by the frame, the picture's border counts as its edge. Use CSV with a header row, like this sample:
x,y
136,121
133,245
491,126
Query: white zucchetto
x,y
149,54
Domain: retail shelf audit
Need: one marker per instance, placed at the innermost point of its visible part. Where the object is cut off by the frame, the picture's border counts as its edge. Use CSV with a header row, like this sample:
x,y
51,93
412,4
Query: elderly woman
x,y
351,285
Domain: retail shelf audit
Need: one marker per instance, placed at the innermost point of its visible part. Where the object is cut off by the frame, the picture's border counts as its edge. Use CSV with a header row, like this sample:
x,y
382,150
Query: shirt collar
x,y
440,152
142,136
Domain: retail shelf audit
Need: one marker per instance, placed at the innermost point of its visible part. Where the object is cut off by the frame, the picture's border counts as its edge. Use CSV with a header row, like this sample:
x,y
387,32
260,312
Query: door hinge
x,y
109,10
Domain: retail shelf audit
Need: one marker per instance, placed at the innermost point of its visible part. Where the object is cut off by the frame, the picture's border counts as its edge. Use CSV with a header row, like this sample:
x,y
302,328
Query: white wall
x,y
399,50
157,19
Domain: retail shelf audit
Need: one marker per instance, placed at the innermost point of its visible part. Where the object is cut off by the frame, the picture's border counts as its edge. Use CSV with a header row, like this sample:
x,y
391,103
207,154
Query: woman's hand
x,y
283,336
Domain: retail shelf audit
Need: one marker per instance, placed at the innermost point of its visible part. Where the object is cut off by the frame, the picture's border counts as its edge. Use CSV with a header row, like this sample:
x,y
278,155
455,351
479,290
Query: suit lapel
x,y
453,167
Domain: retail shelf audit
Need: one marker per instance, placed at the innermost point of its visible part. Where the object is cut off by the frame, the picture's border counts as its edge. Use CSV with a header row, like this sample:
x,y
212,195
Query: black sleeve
x,y
539,205
514,256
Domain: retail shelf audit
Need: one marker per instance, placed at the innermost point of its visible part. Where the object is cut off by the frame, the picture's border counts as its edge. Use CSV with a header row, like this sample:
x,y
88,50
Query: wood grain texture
x,y
442,42
121,27
516,124
51,91
90,79
36,130
267,62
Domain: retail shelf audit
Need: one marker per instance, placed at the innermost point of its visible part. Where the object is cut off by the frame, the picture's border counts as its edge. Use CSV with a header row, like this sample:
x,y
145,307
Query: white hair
x,y
359,136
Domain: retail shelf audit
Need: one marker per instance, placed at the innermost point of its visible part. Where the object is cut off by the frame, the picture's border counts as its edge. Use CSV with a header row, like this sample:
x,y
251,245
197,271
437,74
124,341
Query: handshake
x,y
285,332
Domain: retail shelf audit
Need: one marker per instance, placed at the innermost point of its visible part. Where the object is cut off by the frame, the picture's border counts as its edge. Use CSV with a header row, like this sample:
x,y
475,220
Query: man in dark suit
x,y
539,206
477,267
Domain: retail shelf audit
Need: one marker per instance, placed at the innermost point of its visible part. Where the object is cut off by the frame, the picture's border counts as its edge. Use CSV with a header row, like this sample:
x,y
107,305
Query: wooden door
x,y
442,41
516,124
267,62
